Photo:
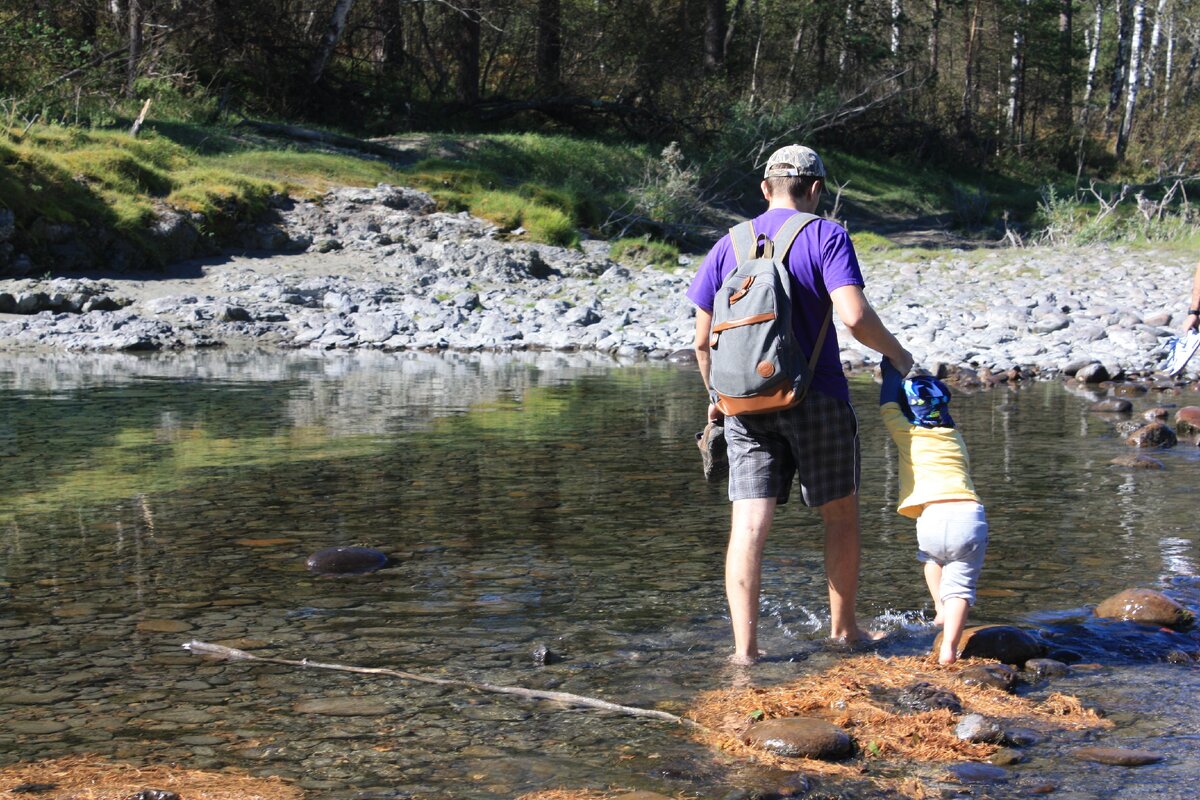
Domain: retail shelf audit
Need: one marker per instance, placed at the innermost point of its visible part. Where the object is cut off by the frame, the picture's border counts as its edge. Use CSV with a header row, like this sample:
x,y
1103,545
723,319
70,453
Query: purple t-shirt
x,y
821,260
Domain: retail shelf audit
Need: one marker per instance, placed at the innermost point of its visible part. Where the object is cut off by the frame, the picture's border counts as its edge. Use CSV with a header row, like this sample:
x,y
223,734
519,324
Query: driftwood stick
x,y
566,698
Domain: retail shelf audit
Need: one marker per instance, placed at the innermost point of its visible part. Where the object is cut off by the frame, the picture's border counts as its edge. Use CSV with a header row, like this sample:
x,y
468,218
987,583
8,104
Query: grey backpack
x,y
756,365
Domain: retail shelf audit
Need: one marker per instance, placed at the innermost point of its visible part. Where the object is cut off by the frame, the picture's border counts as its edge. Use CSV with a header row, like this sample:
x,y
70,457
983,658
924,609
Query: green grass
x,y
642,251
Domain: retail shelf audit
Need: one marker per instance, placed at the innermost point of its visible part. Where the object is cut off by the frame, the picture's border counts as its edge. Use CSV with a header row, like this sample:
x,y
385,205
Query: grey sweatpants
x,y
955,536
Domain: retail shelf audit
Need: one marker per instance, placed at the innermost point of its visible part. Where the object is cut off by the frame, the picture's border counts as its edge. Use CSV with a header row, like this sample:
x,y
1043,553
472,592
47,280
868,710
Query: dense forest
x,y
1083,85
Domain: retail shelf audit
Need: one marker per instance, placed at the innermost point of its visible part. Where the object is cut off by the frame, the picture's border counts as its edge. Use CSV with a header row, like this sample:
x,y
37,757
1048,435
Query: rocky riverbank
x,y
382,269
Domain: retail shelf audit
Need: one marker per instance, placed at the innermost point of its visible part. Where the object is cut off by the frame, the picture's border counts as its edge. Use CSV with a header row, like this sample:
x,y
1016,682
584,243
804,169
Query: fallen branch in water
x,y
567,698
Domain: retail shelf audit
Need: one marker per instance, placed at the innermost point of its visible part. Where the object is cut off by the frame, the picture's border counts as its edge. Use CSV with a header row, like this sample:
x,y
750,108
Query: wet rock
x,y
1094,372
1022,737
1138,462
33,788
1112,405
978,773
925,696
998,676
153,794
687,356
1004,643
1005,757
641,795
1117,756
978,728
1129,390
1156,413
769,783
1152,434
1046,668
1187,421
346,560
163,626
543,655
1147,606
800,737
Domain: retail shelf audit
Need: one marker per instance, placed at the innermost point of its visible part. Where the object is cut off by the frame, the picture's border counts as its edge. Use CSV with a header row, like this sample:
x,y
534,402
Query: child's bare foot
x,y
947,657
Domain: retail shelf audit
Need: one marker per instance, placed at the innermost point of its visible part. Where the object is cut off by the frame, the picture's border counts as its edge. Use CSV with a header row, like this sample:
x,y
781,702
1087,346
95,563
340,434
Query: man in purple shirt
x,y
817,440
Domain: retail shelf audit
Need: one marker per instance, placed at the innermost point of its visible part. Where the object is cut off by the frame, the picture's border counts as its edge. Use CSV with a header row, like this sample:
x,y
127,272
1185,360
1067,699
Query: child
x,y
936,490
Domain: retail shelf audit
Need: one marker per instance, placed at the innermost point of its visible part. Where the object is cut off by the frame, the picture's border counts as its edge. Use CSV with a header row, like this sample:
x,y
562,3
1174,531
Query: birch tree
x,y
1134,83
329,42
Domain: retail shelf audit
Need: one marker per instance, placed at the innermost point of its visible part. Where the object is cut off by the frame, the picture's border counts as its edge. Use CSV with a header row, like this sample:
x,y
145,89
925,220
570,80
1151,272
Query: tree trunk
x,y
728,41
844,51
935,38
714,34
1155,41
466,50
134,19
1093,59
968,95
549,45
391,34
1119,65
1065,61
329,42
790,80
1015,81
1135,63
1168,68
897,13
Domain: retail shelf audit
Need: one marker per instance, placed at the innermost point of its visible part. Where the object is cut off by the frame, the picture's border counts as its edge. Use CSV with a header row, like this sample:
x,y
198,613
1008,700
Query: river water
x,y
524,500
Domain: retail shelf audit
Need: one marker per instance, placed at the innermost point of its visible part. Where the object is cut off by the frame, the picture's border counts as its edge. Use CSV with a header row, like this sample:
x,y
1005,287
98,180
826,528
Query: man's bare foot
x,y
860,636
746,660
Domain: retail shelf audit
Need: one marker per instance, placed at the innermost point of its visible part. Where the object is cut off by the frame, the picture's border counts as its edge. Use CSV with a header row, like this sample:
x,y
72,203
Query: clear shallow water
x,y
525,500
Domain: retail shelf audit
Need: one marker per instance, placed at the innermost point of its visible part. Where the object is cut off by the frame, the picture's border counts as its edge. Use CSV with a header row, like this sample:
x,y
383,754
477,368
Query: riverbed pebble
x,y
382,273
1117,756
797,737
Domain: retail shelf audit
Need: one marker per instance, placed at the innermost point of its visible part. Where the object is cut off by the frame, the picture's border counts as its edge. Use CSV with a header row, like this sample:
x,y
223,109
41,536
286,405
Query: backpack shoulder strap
x,y
816,353
744,242
786,235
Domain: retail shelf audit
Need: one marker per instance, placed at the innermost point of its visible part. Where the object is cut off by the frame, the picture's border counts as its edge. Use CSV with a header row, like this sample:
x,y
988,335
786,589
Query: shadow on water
x,y
528,501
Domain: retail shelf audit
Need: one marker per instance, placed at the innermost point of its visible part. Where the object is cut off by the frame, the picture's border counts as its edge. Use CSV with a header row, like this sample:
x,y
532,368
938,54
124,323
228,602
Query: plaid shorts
x,y
817,439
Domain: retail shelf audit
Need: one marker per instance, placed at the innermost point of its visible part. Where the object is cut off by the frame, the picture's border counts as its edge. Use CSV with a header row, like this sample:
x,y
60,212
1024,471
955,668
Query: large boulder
x,y
1004,643
1145,605
800,737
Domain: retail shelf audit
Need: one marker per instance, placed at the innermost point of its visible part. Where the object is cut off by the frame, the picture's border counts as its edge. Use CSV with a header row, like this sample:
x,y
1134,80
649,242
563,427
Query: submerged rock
x,y
1004,643
969,772
800,737
1112,405
1117,756
1046,668
1145,605
347,560
1138,462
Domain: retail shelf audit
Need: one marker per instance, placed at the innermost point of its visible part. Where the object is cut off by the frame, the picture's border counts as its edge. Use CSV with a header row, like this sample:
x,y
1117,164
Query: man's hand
x,y
903,364
1192,323
714,414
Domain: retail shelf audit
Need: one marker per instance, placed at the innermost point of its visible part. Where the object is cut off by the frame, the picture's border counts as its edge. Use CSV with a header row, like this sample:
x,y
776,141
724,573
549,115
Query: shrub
x,y
643,251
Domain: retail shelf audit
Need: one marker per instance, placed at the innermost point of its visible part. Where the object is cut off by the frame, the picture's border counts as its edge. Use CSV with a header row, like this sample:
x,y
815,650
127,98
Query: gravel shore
x,y
379,268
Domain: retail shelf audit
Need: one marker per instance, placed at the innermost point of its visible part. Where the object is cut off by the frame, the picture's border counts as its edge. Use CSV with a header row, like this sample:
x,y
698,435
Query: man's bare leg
x,y
933,579
751,522
842,556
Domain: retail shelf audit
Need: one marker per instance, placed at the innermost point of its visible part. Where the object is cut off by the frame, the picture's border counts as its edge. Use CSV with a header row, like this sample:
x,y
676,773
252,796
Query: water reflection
x,y
545,499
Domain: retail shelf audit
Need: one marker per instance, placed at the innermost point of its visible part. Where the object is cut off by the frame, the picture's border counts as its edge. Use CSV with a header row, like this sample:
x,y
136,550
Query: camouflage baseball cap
x,y
794,160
